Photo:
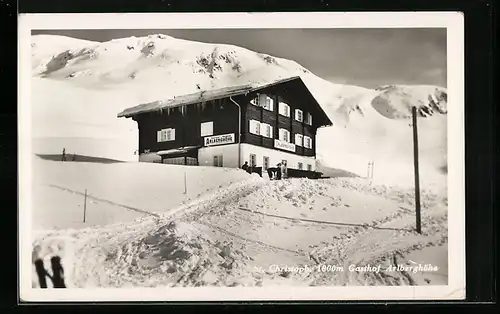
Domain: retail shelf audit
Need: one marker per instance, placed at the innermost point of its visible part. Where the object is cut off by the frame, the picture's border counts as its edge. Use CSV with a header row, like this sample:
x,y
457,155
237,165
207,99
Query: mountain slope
x,y
101,79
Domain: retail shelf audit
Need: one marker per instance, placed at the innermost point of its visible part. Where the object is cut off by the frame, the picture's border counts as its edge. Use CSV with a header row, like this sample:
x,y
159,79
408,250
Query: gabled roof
x,y
207,95
197,97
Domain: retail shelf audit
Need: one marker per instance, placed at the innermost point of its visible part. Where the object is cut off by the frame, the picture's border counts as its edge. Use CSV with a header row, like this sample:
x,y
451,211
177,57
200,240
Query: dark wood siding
x,y
287,93
224,114
188,125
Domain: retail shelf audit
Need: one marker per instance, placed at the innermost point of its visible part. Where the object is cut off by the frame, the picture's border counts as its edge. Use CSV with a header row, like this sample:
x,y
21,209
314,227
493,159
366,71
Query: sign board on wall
x,y
284,145
219,139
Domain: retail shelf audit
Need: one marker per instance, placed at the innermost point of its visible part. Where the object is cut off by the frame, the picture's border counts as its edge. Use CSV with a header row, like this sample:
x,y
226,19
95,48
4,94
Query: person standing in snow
x,y
278,171
245,166
270,173
284,170
63,158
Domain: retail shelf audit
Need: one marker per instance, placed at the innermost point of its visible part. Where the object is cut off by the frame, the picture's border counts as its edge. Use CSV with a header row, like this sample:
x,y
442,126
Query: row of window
x,y
267,103
165,135
265,163
266,130
256,127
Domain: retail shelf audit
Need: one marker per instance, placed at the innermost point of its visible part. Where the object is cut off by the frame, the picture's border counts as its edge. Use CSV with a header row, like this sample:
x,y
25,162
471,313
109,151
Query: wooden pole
x,y
415,165
85,206
185,183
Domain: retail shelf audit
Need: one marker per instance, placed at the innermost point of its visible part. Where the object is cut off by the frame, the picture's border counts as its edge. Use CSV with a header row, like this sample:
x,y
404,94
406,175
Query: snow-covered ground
x,y
141,230
117,192
238,235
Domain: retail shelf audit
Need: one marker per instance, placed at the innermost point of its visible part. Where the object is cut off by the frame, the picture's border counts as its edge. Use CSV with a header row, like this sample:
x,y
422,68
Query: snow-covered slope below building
x,y
80,86
115,190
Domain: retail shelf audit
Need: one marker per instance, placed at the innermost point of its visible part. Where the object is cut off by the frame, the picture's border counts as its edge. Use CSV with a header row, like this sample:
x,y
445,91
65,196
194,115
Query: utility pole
x,y
415,166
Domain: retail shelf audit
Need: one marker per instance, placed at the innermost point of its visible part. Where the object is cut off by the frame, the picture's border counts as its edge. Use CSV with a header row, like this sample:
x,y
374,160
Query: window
x,y
284,135
218,161
165,135
264,101
298,139
253,160
207,128
254,127
267,130
309,167
301,166
265,162
307,142
309,118
298,115
284,109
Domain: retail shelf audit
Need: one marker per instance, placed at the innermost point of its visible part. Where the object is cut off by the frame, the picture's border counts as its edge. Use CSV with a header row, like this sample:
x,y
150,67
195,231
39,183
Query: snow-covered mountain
x,y
79,86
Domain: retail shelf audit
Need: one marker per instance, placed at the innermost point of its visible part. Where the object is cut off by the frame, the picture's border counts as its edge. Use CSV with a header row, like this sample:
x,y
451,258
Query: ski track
x,y
112,256
86,253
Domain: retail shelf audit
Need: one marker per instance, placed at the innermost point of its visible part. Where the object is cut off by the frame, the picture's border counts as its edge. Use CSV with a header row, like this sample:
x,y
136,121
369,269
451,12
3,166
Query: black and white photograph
x,y
256,156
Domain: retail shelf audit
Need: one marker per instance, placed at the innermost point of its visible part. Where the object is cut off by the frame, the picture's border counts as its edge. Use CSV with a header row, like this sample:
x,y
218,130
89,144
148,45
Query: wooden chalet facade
x,y
262,125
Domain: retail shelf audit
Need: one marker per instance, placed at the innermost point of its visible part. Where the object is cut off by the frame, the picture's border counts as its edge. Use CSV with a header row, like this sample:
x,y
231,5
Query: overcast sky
x,y
365,57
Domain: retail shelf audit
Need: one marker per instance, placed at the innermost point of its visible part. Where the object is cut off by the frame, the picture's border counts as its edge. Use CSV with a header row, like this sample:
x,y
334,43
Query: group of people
x,y
277,173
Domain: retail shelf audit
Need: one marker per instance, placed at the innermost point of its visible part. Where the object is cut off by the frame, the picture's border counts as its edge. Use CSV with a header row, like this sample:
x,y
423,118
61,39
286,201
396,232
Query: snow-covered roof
x,y
201,96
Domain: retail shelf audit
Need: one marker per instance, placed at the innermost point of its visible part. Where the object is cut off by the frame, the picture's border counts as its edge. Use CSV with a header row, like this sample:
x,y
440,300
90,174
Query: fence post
x,y
415,166
185,182
85,206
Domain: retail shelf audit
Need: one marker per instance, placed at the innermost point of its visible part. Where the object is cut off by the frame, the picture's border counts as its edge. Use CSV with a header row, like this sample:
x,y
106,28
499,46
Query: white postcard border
x,y
454,23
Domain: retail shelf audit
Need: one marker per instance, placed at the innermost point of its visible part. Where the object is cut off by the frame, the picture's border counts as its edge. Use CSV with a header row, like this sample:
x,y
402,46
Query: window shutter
x,y
255,127
298,139
172,135
262,100
271,103
271,131
158,136
284,109
298,115
287,136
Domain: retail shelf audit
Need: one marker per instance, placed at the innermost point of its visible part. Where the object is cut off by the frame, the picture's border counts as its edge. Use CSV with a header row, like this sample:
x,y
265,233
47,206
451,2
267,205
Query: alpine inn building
x,y
263,125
